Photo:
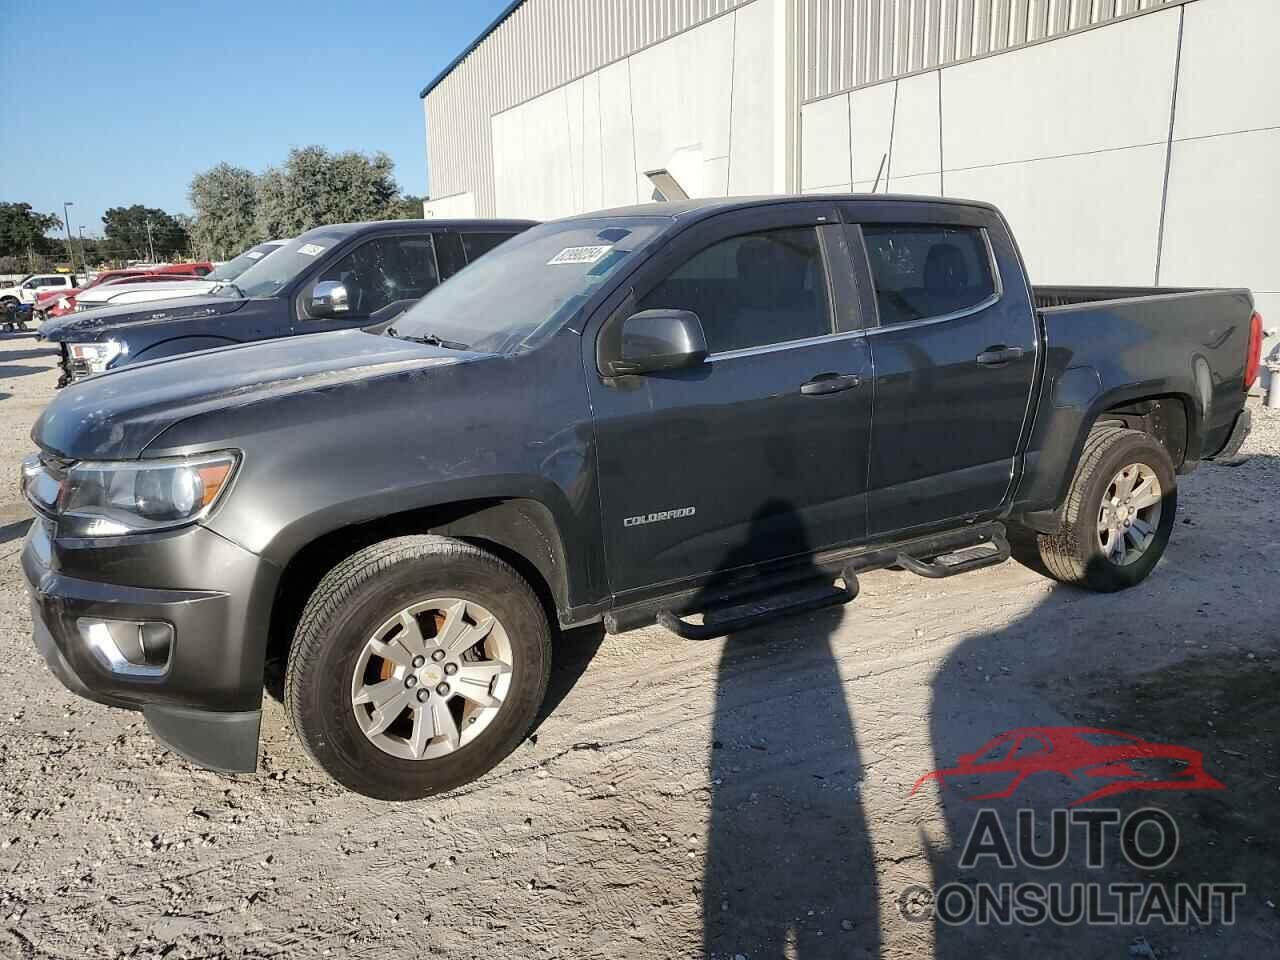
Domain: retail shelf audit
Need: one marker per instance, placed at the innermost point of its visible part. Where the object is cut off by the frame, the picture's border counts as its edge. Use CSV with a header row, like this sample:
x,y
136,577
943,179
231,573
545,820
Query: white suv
x,y
36,284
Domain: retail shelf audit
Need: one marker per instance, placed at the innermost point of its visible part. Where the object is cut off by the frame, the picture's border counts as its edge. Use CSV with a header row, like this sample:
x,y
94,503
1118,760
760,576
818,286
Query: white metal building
x,y
1127,141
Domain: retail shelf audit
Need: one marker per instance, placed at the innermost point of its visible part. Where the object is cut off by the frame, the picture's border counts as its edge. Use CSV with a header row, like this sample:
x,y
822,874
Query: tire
x,y
359,598
1075,555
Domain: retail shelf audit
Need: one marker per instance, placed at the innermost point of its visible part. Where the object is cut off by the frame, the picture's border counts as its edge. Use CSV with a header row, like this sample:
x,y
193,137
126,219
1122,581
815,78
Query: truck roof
x,y
705,206
374,226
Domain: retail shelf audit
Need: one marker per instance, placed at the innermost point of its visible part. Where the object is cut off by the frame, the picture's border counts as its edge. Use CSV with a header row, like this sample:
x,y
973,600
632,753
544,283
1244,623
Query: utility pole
x,y
84,262
151,249
66,215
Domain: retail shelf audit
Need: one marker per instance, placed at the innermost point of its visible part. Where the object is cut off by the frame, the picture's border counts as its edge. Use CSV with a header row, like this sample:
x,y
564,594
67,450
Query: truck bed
x,y
1065,296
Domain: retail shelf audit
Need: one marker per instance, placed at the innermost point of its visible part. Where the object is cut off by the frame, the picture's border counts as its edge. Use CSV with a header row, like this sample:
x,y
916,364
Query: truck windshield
x,y
233,268
272,274
530,286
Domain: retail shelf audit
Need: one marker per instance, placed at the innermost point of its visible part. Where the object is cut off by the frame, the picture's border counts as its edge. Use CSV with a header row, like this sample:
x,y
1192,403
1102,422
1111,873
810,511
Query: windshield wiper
x,y
430,339
223,284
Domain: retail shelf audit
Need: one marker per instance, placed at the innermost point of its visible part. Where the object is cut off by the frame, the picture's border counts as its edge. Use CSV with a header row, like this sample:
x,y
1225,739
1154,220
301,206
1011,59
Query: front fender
x,y
525,515
176,347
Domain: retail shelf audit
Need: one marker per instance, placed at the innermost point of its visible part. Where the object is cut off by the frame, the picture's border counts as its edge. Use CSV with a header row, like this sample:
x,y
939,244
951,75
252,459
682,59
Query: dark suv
x,y
330,278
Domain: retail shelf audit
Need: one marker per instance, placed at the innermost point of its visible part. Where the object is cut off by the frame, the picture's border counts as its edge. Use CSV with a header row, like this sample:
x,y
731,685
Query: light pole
x,y
66,216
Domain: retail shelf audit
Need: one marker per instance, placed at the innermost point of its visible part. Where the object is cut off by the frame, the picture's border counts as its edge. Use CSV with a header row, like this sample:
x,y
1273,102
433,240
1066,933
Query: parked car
x,y
60,304
634,415
28,290
169,286
330,278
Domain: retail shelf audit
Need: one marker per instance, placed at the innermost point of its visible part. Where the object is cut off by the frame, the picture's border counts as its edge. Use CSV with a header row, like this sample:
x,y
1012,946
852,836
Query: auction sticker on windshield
x,y
311,249
580,254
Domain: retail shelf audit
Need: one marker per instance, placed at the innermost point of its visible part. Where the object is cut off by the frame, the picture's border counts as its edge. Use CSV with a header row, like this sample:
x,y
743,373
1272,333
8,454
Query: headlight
x,y
108,499
97,356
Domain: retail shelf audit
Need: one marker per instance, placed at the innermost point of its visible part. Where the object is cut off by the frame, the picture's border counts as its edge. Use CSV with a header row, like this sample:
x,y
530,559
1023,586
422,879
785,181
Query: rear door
x,y
736,462
954,348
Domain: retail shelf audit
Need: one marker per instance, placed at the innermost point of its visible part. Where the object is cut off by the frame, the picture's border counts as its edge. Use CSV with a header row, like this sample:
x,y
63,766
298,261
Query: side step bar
x,y
935,557
833,596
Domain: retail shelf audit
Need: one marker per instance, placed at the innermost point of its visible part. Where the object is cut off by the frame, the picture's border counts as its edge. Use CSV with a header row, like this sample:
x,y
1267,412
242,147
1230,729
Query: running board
x,y
833,596
961,561
935,557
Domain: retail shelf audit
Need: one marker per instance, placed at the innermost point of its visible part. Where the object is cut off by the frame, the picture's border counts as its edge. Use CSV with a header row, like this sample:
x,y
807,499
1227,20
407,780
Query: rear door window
x,y
922,271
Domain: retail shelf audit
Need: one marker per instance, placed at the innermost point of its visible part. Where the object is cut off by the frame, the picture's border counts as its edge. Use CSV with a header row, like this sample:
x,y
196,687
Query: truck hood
x,y
115,415
102,323
140,292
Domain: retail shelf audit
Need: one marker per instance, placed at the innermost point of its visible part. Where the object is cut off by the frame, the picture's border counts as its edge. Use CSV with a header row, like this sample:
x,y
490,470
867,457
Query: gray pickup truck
x,y
668,413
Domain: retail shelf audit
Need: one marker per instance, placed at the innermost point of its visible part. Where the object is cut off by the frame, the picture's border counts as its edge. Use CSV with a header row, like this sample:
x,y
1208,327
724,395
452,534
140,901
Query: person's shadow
x,y
789,865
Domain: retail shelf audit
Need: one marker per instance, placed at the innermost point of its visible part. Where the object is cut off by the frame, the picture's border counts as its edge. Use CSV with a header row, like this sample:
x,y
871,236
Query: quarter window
x,y
927,270
752,290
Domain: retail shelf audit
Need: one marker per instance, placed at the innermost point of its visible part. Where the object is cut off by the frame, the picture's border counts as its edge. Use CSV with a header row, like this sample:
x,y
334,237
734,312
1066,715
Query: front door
x,y
955,356
759,453
381,274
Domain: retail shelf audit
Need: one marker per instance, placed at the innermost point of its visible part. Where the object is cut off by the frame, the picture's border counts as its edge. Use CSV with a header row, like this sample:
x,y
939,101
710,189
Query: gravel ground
x,y
749,797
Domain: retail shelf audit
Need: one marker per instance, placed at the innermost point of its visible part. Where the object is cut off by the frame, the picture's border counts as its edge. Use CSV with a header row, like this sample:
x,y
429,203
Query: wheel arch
x,y
1172,417
519,530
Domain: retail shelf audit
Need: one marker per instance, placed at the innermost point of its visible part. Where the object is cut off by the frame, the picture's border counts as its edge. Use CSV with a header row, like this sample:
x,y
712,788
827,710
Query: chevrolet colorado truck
x,y
330,278
675,413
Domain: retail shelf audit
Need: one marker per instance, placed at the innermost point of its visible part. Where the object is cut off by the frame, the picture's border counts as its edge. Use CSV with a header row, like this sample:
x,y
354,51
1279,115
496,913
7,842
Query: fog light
x,y
133,648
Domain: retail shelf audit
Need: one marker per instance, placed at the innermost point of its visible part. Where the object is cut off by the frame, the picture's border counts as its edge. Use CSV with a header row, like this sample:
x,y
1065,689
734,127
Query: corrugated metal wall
x,y
543,44
850,43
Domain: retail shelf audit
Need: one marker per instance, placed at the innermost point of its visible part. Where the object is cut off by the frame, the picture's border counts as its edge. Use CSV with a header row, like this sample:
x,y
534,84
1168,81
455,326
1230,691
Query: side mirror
x,y
654,340
328,299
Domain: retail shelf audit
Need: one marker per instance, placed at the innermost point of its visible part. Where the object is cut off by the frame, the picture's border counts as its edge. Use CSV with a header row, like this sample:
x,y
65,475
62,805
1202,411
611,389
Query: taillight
x,y
1253,358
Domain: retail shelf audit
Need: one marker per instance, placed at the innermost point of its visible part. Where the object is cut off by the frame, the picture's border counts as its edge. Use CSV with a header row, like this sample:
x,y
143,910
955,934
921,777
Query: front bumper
x,y
206,704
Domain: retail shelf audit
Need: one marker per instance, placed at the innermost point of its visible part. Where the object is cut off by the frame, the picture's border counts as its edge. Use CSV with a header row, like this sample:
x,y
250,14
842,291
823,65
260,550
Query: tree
x,y
224,199
22,231
235,208
126,233
316,188
407,207
272,215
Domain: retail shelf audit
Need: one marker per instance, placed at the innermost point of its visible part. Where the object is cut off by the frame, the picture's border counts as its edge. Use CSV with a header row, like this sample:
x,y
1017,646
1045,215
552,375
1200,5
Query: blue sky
x,y
110,104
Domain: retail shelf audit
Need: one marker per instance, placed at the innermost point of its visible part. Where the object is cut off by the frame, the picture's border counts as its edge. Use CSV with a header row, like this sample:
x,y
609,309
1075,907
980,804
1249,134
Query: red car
x,y
1126,761
58,303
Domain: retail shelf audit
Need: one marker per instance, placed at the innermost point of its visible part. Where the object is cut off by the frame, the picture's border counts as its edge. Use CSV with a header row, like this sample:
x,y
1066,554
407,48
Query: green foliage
x,y
235,208
126,233
407,207
224,200
22,231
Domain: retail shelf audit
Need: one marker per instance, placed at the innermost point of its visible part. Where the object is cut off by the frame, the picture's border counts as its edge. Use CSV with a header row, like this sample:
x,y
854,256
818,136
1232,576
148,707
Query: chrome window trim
x,y
991,301
786,345
987,303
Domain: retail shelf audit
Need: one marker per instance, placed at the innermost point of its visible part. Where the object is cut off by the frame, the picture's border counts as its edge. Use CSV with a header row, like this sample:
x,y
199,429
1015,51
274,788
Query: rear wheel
x,y
1117,518
418,665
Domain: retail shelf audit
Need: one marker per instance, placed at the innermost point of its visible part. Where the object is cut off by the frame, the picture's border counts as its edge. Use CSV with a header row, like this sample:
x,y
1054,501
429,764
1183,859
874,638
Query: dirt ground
x,y
749,797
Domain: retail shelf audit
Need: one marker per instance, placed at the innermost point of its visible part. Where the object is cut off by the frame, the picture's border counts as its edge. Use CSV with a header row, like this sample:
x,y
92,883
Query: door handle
x,y
997,355
825,383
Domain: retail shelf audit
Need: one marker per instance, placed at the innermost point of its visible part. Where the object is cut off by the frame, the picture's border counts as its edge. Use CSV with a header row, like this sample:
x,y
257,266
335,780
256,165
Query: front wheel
x,y
419,663
1117,518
